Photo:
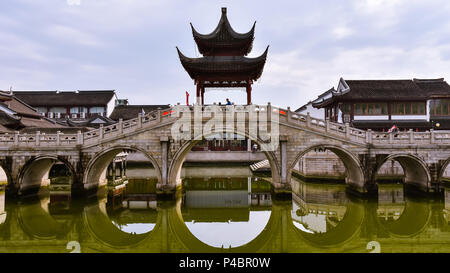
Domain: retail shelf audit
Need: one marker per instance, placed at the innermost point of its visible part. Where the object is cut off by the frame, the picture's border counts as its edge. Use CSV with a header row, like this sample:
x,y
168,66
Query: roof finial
x,y
224,10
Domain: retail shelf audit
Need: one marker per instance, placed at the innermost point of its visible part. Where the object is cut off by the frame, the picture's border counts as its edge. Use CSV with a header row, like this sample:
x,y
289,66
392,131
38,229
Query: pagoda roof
x,y
228,68
223,40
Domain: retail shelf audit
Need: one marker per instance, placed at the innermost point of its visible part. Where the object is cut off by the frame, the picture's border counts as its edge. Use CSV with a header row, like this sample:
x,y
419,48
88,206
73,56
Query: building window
x,y
61,110
365,109
346,108
74,110
408,108
97,110
439,107
41,110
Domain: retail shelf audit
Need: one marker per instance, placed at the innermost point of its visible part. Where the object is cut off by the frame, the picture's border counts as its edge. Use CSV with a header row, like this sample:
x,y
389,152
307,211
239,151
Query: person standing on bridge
x,y
228,102
394,129
255,147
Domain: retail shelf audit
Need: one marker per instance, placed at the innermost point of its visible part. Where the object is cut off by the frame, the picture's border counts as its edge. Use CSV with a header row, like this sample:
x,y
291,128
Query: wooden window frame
x,y
370,105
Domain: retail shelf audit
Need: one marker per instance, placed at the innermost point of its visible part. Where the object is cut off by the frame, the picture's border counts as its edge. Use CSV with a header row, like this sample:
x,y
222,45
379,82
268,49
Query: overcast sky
x,y
129,45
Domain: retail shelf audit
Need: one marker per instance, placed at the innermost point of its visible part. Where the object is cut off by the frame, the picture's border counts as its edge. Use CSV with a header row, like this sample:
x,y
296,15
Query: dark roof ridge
x,y
223,22
62,91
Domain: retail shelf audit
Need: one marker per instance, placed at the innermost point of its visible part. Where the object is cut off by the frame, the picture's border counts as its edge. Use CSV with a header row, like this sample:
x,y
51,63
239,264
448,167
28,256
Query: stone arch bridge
x,y
27,157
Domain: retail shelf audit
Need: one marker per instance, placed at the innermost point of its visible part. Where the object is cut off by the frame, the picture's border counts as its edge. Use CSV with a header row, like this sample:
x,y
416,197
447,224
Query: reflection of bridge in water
x,y
349,224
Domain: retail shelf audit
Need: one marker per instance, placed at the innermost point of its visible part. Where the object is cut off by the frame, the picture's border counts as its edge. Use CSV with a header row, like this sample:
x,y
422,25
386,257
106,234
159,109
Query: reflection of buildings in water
x,y
140,202
224,199
136,218
317,208
391,201
316,218
227,192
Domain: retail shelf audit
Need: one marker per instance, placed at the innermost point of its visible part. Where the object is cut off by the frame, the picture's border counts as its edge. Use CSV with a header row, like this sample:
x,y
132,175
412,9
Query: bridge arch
x,y
442,173
174,170
98,164
415,169
354,170
32,173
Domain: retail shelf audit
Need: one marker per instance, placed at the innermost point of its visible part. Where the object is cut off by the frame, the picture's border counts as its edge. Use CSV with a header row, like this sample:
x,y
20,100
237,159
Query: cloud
x,y
342,32
129,45
72,35
295,69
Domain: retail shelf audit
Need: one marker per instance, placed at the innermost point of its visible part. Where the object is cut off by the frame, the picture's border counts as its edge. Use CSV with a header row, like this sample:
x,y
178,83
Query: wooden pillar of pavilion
x,y
203,94
198,94
248,89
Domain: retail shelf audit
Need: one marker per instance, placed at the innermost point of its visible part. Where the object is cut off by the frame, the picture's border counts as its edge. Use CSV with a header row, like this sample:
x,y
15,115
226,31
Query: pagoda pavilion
x,y
224,64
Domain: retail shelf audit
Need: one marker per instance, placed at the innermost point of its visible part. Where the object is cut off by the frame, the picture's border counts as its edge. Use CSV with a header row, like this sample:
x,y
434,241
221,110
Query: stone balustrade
x,y
286,116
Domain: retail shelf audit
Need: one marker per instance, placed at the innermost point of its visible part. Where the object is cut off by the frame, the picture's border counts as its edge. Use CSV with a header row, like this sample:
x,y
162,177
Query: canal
x,y
227,208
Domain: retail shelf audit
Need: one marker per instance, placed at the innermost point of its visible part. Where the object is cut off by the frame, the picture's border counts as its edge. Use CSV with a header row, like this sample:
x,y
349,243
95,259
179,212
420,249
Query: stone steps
x,y
260,165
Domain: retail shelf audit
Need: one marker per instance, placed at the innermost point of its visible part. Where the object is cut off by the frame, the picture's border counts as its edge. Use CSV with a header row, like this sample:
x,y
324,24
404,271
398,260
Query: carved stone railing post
x,y
327,126
100,131
38,138
120,126
432,136
80,139
16,138
289,114
158,115
369,136
139,120
391,138
411,136
347,130
308,120
58,138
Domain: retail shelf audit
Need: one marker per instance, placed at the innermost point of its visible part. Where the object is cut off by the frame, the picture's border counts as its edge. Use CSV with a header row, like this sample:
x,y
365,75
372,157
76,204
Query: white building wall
x,y
110,106
313,112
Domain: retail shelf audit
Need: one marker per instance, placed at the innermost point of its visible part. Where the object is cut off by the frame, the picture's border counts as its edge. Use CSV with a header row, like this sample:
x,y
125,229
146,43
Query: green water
x,y
229,214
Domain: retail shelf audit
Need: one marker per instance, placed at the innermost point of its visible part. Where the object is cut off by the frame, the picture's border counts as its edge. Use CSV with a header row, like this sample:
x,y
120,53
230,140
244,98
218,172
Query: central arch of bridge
x,y
174,170
415,171
354,171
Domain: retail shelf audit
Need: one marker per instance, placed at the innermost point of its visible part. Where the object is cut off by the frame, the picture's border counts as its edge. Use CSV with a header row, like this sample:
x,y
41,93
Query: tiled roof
x,y
227,67
65,98
389,90
223,39
131,111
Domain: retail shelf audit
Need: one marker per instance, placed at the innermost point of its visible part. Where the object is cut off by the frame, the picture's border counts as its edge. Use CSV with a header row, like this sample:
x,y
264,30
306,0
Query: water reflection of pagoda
x,y
224,64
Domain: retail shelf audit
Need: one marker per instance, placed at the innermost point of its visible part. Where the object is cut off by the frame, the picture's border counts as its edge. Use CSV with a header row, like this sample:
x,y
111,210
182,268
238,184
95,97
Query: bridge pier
x,y
164,187
282,184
